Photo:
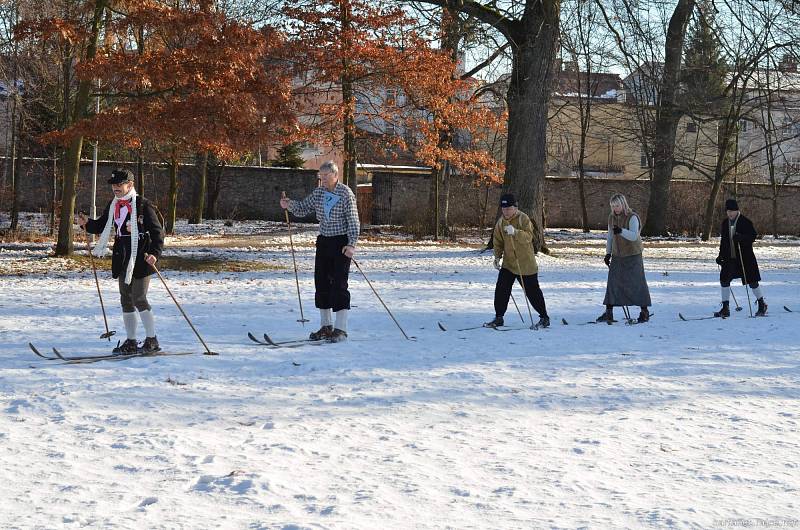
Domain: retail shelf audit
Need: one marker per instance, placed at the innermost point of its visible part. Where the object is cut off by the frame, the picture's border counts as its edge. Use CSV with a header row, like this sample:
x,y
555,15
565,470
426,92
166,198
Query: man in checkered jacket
x,y
335,207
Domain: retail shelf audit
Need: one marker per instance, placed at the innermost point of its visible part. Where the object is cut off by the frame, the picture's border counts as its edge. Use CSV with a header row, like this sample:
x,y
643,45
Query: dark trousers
x,y
331,269
502,292
133,297
731,270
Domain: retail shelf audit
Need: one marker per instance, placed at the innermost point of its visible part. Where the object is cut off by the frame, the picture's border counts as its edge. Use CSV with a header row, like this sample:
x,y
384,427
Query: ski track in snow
x,y
665,425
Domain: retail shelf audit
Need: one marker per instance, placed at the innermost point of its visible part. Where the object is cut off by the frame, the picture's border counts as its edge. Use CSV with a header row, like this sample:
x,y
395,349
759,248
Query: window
x,y
390,129
743,125
391,97
644,161
691,127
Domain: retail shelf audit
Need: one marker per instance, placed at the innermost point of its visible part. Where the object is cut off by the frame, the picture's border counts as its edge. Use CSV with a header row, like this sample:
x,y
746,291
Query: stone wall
x,y
403,199
246,192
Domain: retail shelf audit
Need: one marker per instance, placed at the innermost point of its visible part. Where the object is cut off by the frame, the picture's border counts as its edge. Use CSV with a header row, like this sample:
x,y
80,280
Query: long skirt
x,y
627,284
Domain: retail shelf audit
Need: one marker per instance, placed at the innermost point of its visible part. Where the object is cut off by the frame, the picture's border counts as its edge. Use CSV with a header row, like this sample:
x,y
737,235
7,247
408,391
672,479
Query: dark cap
x,y
118,176
507,200
732,205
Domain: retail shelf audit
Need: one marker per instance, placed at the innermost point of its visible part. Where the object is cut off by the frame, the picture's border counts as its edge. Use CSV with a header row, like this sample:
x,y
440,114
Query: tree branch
x,y
487,62
484,13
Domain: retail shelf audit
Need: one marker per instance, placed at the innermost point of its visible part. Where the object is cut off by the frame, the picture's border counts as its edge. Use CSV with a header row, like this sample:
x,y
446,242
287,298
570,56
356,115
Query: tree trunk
x,y
213,197
54,194
445,229
668,115
200,200
775,213
726,134
534,44
433,202
711,207
72,164
451,34
14,165
349,175
17,162
582,197
582,176
16,131
485,211
139,172
173,193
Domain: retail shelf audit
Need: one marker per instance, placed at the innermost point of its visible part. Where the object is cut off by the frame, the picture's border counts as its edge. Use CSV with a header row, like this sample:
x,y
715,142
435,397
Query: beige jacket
x,y
517,250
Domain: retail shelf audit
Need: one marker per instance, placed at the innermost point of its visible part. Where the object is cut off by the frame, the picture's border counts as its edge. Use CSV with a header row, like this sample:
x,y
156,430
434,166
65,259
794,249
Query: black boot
x,y
608,316
544,322
644,316
338,335
323,333
762,307
129,346
725,312
151,345
496,323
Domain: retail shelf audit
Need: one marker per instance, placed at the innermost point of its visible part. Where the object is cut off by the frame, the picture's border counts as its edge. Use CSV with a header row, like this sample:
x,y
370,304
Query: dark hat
x,y
507,200
732,205
118,176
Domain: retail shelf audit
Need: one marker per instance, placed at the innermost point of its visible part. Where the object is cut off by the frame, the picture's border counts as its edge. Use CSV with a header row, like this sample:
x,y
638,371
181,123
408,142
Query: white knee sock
x,y
757,292
148,322
130,324
325,317
341,320
725,292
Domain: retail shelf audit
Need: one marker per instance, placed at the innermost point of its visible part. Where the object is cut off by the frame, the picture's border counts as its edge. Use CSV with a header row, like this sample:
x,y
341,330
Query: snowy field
x,y
669,424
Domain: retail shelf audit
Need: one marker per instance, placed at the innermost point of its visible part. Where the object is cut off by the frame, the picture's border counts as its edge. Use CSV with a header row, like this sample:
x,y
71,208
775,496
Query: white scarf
x,y
102,243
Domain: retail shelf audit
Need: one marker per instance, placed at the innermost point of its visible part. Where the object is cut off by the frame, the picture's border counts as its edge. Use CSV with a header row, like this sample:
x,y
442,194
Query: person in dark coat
x,y
627,284
137,232
737,235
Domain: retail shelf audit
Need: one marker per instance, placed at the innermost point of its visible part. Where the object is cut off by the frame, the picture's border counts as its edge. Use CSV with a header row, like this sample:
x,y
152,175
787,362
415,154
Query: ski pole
x,y
744,277
107,334
522,282
303,319
730,288
208,351
518,311
381,300
738,307
627,312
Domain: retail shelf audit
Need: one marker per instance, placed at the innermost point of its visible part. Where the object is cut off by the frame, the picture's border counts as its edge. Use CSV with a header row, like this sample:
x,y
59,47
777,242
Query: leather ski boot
x,y
762,307
323,333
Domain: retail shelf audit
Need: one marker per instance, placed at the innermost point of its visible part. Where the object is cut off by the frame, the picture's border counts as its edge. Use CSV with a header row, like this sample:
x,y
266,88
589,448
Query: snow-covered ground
x,y
666,425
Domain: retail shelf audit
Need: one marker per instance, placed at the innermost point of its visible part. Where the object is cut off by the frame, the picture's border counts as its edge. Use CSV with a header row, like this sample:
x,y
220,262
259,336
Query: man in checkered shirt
x,y
335,207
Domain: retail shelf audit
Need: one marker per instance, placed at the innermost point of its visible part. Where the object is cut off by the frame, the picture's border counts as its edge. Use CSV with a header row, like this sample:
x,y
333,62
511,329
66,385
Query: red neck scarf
x,y
119,205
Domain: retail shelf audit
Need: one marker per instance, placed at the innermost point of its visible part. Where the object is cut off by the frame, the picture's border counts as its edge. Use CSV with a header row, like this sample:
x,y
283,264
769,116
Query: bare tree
x,y
586,55
637,27
530,29
748,94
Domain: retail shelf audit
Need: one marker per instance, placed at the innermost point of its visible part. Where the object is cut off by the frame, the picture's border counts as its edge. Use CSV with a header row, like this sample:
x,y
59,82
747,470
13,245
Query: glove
x,y
720,260
497,264
617,230
607,259
510,230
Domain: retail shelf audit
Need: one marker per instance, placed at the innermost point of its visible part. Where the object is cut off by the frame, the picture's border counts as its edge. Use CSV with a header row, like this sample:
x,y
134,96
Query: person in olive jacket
x,y
137,232
737,234
514,241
